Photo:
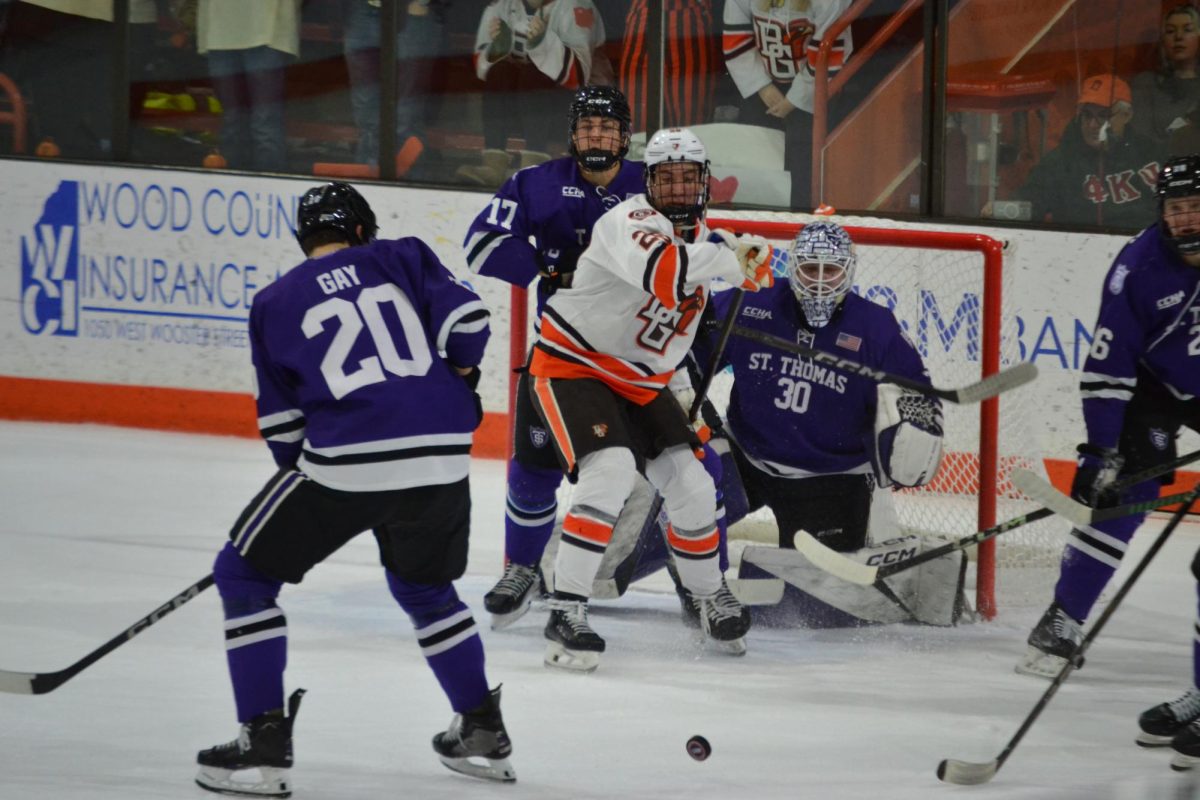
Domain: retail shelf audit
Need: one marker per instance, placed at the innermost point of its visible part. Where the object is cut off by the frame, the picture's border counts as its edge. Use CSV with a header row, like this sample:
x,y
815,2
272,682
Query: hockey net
x,y
948,290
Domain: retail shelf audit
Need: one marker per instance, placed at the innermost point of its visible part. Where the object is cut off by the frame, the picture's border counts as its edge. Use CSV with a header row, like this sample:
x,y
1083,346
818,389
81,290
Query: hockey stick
x,y
992,385
42,682
853,571
966,772
1077,513
723,339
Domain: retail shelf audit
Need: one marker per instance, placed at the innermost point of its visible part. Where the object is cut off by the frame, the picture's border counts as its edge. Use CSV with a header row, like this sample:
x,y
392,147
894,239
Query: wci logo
x,y
50,267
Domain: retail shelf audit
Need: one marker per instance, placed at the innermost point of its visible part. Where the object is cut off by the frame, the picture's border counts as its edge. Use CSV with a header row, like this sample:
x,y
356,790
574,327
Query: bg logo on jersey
x,y
50,267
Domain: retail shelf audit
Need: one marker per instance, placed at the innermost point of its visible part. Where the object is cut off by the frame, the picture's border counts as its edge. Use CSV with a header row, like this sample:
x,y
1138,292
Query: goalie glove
x,y
1096,470
753,256
908,436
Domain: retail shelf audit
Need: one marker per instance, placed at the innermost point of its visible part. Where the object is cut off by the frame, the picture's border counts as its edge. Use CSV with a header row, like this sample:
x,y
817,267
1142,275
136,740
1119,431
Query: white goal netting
x,y
940,295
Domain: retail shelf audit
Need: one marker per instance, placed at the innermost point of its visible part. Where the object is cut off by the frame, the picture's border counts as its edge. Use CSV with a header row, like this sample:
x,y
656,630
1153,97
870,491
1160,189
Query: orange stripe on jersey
x,y
588,529
558,428
702,546
546,365
666,275
731,42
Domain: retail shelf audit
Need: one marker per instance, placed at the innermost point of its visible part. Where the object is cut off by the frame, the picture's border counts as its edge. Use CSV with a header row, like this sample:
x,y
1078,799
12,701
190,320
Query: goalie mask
x,y
338,207
1178,193
677,176
605,143
821,270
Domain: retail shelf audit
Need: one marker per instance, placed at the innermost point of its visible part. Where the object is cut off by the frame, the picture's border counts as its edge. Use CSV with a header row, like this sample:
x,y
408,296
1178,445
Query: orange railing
x,y
15,115
824,88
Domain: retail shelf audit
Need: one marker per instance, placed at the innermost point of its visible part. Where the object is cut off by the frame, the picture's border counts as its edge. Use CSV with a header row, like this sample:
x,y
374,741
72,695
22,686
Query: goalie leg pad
x,y
908,435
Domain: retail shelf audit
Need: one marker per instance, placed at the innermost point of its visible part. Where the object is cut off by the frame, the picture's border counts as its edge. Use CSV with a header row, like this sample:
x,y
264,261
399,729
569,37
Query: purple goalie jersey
x,y
793,417
354,356
541,220
1148,325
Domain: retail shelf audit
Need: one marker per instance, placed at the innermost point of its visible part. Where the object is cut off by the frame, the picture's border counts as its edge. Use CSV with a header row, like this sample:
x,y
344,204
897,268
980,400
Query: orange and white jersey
x,y
634,307
563,52
778,40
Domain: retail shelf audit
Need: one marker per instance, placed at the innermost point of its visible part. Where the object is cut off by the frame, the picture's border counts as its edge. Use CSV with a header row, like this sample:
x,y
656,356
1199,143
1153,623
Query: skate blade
x,y
1152,740
502,621
492,769
1039,664
272,782
560,657
1182,763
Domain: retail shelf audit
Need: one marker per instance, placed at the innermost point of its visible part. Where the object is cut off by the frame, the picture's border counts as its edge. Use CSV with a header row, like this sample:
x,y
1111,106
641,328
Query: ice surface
x,y
99,525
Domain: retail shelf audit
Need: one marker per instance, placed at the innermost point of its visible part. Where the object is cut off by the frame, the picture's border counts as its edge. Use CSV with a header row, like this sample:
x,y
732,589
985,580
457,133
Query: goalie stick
x,y
966,773
42,682
991,386
847,569
1077,513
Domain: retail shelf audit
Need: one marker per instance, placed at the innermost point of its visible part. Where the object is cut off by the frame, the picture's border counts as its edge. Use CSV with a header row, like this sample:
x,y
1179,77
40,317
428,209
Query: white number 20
x,y
350,317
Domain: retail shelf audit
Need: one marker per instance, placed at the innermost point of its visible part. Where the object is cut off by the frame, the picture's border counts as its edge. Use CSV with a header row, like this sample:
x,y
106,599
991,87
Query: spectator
x,y
249,46
1102,172
529,53
771,48
1164,97
61,53
690,63
421,38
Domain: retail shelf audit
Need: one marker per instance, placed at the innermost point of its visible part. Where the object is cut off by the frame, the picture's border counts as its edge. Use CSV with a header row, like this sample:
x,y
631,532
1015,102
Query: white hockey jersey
x,y
564,51
632,313
778,40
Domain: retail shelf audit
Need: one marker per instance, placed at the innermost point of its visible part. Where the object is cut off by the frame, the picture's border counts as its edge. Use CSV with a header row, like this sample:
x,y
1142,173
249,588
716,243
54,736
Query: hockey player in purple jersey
x,y
534,230
1139,387
365,358
810,442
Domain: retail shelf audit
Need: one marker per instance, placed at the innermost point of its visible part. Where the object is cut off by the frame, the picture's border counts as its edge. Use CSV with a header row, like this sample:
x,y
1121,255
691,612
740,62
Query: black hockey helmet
x,y
599,101
1180,177
335,207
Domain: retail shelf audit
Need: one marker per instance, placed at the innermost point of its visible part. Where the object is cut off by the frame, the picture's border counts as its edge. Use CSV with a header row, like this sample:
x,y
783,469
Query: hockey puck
x,y
699,748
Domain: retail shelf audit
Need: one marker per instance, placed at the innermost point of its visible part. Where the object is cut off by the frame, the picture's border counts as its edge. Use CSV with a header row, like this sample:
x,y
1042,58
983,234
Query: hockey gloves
x,y
1096,470
753,255
558,268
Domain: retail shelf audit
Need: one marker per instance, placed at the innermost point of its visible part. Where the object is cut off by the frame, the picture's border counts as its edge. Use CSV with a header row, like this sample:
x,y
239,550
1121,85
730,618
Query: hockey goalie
x,y
821,449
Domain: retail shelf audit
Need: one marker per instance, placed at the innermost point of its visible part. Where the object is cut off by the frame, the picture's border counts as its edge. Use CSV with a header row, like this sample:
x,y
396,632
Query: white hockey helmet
x,y
673,146
821,270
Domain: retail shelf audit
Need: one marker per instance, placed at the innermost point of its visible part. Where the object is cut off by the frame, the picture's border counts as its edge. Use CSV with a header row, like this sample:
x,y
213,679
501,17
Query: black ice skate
x,y
512,595
1187,748
1051,643
570,641
723,619
265,745
1161,724
478,734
